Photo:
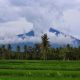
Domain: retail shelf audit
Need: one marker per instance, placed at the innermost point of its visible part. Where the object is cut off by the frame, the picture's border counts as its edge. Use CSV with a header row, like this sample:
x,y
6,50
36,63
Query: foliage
x,y
40,51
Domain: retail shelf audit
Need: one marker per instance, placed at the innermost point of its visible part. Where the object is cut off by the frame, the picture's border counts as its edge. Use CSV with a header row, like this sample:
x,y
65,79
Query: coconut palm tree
x,y
9,47
9,51
3,51
45,46
18,51
25,52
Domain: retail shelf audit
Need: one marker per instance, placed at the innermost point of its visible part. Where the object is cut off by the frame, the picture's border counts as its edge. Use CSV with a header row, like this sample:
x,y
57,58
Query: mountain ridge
x,y
75,41
31,36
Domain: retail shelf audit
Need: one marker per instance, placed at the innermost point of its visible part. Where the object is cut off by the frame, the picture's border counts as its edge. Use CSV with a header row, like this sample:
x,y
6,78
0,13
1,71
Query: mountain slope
x,y
74,41
56,38
29,34
54,31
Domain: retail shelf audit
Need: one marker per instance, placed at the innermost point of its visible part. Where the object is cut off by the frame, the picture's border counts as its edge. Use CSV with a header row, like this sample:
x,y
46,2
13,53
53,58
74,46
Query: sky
x,y
19,16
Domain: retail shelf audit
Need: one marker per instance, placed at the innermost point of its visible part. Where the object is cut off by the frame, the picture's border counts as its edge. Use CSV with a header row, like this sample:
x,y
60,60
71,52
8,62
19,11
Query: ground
x,y
39,70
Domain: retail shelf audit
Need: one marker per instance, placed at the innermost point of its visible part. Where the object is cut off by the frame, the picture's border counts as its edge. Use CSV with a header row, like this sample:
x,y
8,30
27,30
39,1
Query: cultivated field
x,y
39,70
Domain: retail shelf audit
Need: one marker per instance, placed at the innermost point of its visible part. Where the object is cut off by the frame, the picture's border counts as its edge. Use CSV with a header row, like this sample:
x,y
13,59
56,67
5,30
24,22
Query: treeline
x,y
42,51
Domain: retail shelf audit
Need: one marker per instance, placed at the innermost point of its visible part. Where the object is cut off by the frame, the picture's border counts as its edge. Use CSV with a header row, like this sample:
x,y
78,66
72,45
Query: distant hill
x,y
74,41
58,38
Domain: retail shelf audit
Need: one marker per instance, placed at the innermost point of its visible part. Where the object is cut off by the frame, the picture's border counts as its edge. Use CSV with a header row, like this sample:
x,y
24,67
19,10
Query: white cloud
x,y
17,15
60,39
72,19
13,28
69,22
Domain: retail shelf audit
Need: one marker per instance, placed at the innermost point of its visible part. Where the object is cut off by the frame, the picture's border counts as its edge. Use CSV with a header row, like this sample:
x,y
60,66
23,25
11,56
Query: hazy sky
x,y
17,16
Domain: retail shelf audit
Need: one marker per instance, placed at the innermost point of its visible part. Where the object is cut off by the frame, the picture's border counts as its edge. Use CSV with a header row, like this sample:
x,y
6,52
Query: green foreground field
x,y
39,70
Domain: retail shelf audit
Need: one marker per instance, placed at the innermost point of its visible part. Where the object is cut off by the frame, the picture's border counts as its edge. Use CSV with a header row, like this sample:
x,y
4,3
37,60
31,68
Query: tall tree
x,y
3,51
18,48
25,48
9,51
9,47
45,46
37,51
18,51
25,52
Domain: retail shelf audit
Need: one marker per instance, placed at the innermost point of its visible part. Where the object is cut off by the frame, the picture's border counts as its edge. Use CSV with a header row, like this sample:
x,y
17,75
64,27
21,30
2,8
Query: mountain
x,y
29,34
61,38
75,42
54,31
21,44
56,37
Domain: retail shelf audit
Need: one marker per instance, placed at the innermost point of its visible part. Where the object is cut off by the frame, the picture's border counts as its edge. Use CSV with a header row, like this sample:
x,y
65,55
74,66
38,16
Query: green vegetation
x,y
40,51
41,62
39,70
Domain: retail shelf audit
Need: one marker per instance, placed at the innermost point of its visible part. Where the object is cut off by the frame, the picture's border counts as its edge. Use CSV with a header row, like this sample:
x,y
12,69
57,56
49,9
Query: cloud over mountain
x,y
19,16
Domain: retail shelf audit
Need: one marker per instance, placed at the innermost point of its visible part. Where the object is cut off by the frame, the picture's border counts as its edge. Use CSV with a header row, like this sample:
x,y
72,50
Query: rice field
x,y
39,70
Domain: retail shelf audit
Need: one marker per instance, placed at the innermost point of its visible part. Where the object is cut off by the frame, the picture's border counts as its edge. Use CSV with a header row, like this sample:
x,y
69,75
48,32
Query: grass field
x,y
39,70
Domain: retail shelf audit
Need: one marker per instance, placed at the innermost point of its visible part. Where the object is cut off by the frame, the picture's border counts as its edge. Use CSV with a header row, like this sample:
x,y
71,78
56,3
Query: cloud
x,y
63,15
12,28
44,13
60,39
8,12
72,19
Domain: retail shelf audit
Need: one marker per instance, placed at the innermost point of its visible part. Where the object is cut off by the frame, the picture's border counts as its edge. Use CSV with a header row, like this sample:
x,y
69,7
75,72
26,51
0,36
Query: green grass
x,y
39,70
